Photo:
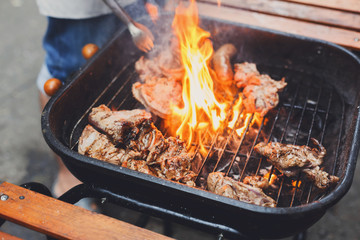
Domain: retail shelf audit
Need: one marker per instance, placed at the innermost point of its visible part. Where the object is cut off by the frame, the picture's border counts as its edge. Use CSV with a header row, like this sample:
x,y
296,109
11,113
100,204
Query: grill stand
x,y
104,195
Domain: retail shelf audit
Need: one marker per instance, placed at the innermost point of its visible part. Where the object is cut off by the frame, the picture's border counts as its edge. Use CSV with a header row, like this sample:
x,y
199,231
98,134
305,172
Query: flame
x,y
293,183
203,113
272,179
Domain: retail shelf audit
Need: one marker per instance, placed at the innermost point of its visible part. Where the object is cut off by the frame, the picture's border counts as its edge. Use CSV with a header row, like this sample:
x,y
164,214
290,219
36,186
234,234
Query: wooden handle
x,y
63,220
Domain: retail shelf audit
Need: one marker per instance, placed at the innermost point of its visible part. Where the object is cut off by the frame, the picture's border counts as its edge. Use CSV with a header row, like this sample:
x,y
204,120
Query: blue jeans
x,y
65,38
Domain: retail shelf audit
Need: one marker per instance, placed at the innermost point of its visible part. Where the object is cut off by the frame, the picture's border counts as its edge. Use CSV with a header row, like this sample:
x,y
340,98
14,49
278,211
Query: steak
x,y
293,159
228,187
158,95
260,90
118,125
139,146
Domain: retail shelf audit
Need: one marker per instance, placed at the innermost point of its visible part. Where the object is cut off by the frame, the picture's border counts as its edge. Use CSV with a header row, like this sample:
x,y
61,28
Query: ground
x,y
24,155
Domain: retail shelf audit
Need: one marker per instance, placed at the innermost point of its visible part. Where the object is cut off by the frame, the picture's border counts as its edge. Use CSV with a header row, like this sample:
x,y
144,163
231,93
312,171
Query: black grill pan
x,y
111,72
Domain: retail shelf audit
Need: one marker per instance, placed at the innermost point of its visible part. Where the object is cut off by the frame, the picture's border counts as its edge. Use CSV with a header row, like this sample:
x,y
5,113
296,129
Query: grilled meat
x,y
158,95
293,159
163,62
140,166
257,181
260,91
246,74
320,178
141,147
175,161
97,145
228,187
221,63
118,125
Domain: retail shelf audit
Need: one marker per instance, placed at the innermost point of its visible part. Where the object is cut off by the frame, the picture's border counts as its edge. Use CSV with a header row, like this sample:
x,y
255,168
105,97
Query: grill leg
x,y
168,231
300,236
142,220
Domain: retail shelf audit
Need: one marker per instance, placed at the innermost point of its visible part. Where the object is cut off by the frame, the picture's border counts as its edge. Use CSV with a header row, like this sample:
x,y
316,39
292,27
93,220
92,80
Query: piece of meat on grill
x,y
175,162
245,74
260,90
293,159
166,157
257,181
134,129
162,62
222,65
120,126
228,187
97,145
158,95
320,178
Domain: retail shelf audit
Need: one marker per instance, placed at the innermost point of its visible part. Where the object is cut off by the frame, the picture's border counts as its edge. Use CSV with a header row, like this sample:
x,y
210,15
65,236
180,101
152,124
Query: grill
x,y
319,102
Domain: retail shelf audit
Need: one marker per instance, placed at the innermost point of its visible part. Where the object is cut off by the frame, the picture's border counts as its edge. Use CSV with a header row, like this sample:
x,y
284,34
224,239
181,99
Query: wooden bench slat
x,y
347,5
62,220
6,236
346,38
297,11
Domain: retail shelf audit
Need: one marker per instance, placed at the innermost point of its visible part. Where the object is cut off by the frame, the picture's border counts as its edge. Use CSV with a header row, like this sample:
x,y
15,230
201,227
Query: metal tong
x,y
141,35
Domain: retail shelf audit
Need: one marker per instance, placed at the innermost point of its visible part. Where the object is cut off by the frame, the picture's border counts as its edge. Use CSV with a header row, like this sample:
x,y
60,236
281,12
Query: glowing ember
x,y
203,113
272,179
293,183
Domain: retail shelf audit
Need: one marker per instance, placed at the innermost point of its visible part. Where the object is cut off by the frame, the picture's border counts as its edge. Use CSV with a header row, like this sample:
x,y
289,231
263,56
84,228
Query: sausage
x,y
222,65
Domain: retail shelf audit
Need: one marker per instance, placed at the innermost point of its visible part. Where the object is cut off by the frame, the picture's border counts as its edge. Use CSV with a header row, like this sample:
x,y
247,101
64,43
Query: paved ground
x,y
24,155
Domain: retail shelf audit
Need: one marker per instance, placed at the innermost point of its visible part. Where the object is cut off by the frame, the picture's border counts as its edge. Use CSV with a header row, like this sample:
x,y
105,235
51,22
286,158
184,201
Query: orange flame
x,y
272,179
293,183
202,113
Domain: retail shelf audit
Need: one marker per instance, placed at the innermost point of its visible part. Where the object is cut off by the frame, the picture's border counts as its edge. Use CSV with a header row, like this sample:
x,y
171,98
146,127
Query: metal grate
x,y
307,108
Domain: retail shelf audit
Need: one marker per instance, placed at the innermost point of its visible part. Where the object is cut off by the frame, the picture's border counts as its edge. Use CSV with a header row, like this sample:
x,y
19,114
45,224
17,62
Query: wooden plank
x,y
346,38
346,5
6,236
62,220
296,11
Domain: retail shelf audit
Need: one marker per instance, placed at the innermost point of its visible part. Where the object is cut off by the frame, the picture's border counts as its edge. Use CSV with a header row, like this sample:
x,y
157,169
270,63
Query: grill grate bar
x,y
340,135
294,142
223,149
283,136
87,111
125,98
240,144
270,135
252,149
213,147
322,138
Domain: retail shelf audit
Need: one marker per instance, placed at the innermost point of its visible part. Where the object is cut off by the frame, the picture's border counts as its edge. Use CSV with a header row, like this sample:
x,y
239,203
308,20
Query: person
x,y
71,25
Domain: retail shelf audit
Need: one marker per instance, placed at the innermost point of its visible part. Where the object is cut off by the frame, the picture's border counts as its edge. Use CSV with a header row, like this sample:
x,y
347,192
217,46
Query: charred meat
x,y
260,91
97,145
293,159
140,146
228,187
118,125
